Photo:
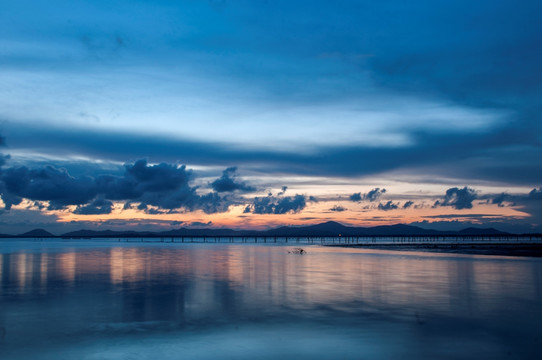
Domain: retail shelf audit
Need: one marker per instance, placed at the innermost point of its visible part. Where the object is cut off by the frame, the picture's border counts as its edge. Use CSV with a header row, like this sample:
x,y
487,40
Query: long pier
x,y
344,240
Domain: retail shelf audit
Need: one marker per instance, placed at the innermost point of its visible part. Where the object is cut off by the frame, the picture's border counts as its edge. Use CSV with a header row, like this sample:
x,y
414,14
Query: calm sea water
x,y
108,300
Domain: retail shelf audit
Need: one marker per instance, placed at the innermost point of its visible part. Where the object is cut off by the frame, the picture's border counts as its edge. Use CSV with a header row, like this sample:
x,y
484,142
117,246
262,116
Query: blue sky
x,y
326,98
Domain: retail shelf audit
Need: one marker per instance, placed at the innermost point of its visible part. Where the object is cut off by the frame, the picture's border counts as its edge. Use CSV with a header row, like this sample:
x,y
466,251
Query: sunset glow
x,y
216,114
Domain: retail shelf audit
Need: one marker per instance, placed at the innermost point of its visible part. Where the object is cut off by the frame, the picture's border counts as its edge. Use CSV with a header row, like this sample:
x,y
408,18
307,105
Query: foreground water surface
x,y
106,300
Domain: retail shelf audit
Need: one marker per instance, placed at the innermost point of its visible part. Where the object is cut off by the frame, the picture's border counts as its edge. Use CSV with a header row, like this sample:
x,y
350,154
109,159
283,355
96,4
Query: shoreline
x,y
524,250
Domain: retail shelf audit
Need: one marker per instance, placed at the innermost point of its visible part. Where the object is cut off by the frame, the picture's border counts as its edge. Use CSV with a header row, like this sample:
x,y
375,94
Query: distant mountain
x,y
203,232
327,229
36,233
481,231
400,230
332,228
104,233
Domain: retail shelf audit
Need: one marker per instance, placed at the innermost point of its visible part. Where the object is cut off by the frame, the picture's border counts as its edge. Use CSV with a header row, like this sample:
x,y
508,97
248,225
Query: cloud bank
x,y
164,186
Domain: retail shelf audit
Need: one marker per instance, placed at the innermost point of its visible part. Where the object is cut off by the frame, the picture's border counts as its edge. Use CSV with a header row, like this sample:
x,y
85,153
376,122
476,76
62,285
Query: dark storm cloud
x,y
458,198
9,199
212,203
98,206
228,182
46,184
277,205
164,186
161,177
388,206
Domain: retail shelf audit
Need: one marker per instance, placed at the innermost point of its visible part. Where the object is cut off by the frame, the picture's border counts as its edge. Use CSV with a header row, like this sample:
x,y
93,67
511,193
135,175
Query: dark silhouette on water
x,y
299,251
327,229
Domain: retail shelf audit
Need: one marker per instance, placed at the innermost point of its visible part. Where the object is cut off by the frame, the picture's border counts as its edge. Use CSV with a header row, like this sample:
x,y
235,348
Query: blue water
x,y
95,299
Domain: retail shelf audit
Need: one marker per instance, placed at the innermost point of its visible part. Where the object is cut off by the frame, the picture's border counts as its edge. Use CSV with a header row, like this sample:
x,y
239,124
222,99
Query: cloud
x,y
408,204
530,203
458,198
228,182
470,216
127,205
356,197
374,194
98,206
163,186
8,198
46,184
515,199
388,206
277,205
338,208
436,58
212,203
371,196
200,224
282,191
435,154
154,211
501,199
168,187
536,194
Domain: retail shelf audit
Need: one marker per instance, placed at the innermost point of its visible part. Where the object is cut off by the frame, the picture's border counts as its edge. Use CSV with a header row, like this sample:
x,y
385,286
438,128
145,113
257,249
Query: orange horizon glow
x,y
355,215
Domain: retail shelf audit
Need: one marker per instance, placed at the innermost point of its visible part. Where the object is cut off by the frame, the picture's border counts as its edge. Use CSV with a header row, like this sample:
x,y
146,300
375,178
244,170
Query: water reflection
x,y
96,293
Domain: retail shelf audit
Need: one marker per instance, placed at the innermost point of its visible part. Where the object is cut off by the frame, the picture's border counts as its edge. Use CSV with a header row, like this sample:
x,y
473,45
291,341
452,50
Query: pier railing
x,y
323,240
349,240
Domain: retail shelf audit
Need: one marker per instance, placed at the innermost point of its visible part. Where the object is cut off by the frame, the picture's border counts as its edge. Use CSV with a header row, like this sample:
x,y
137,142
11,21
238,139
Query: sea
x,y
105,299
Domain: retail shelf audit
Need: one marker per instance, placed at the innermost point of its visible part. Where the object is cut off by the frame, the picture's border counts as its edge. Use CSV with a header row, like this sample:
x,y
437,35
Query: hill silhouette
x,y
326,229
36,233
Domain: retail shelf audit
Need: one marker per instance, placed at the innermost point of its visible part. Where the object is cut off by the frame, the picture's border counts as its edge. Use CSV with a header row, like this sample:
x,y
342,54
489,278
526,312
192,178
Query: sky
x,y
152,115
